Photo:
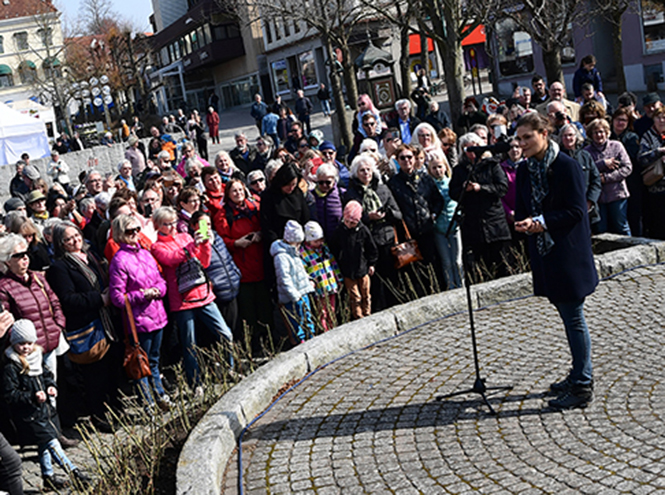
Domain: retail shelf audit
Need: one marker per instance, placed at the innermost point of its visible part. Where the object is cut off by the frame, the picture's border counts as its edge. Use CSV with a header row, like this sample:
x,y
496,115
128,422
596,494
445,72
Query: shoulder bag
x,y
406,252
136,361
653,173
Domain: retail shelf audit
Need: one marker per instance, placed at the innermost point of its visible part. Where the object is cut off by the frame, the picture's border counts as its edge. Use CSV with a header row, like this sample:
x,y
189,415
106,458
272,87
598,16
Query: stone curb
x,y
210,445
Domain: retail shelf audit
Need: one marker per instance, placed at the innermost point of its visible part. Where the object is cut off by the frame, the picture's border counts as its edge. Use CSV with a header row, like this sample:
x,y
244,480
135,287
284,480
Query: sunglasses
x,y
133,231
405,157
256,181
324,182
18,256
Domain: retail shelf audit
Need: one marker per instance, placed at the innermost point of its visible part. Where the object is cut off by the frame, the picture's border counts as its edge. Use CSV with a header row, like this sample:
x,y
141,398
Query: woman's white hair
x,y
470,138
368,144
122,163
7,245
364,159
163,214
191,163
424,126
327,170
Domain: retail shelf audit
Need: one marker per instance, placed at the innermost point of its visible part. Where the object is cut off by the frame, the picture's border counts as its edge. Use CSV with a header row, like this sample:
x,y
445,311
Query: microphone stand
x,y
479,386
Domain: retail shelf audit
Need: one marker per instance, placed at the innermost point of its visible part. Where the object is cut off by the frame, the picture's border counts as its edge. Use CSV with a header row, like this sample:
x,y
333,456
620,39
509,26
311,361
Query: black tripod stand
x,y
479,386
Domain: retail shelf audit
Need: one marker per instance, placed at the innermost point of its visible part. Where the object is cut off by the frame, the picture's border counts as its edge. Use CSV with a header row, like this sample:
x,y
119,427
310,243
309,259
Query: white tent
x,y
20,134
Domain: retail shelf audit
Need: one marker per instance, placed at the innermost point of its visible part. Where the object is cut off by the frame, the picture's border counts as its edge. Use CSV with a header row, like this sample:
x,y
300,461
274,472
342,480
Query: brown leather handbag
x,y
406,252
136,361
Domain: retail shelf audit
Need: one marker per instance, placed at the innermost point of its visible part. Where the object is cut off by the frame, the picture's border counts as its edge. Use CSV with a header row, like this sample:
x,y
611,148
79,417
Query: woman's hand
x,y
529,226
199,239
370,271
6,322
612,163
472,187
52,391
40,396
376,215
244,241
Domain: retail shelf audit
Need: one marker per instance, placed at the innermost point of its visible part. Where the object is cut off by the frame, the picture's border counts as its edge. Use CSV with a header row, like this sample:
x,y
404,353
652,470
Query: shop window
x,y
280,75
307,69
653,25
515,49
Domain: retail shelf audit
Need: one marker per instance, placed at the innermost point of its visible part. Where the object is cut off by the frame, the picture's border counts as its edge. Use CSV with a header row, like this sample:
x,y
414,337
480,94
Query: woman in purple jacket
x,y
614,166
134,272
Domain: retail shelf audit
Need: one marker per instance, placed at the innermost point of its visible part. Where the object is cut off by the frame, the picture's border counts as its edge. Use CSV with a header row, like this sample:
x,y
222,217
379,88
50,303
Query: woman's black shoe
x,y
54,483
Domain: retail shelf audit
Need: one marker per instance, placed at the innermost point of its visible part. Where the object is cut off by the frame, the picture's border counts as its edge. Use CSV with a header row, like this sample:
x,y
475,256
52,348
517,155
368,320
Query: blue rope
x,y
387,339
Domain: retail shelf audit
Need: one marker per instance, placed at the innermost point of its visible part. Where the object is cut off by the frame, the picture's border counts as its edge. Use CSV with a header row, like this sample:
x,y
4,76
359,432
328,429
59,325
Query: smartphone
x,y
250,237
203,228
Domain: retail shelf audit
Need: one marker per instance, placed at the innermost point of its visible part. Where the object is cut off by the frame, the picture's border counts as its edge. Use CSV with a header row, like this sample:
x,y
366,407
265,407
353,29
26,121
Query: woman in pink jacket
x,y
170,251
134,272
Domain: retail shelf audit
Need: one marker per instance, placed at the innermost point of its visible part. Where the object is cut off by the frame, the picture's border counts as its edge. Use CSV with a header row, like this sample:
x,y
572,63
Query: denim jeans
x,y
298,319
212,319
325,106
579,340
53,448
614,217
448,249
151,343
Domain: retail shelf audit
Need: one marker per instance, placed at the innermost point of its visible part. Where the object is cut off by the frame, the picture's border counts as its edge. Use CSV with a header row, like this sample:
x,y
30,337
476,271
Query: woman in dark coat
x,y
326,199
81,283
380,215
551,208
485,230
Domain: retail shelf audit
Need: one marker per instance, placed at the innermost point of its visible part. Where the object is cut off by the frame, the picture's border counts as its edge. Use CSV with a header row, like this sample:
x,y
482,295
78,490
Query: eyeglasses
x,y
18,256
324,182
369,124
303,145
256,181
170,224
446,145
133,231
405,157
67,240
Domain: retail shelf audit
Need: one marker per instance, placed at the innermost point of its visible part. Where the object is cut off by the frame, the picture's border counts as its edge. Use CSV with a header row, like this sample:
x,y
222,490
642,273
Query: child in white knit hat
x,y
27,386
293,283
322,269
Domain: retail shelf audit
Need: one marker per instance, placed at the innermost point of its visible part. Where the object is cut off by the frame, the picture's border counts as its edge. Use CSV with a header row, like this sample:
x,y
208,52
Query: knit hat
x,y
313,231
13,204
31,172
23,331
293,232
326,145
650,99
353,211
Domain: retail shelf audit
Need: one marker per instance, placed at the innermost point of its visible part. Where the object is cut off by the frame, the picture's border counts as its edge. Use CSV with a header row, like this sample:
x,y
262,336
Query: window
x,y
233,30
51,68
28,72
296,26
46,35
653,26
266,27
2,44
220,33
515,50
195,40
278,31
280,75
202,37
287,32
21,40
307,69
6,81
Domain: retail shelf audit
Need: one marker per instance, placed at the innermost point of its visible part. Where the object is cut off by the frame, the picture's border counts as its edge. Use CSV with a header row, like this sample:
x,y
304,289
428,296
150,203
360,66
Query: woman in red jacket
x,y
170,251
212,119
239,224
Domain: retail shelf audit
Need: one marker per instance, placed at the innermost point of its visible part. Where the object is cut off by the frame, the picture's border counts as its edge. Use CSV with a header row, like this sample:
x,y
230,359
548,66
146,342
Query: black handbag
x,y
190,274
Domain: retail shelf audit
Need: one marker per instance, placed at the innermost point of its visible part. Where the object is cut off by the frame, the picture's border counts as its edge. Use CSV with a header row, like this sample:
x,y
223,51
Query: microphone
x,y
499,147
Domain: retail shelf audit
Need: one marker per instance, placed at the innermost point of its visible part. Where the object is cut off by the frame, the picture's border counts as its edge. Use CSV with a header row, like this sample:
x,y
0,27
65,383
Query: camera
x,y
560,115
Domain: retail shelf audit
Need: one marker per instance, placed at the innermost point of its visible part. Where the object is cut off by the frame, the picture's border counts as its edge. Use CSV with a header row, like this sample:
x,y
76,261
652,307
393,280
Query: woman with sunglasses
x,y
327,198
134,273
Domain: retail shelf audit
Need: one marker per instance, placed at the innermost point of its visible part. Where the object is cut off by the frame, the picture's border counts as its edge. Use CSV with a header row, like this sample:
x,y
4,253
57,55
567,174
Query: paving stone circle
x,y
371,423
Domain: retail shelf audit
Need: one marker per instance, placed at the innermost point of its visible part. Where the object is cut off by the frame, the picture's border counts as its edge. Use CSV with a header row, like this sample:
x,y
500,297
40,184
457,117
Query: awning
x,y
414,44
27,63
5,70
51,62
477,37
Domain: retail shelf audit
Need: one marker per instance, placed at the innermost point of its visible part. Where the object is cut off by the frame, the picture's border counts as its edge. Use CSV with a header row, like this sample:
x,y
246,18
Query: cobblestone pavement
x,y
371,422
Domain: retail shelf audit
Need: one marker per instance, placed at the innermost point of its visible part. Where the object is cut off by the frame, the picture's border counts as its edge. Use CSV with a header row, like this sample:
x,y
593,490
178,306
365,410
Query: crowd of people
x,y
285,236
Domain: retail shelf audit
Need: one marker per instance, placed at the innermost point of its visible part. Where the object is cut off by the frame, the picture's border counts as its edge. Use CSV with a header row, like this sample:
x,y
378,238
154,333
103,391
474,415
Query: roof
x,y
11,9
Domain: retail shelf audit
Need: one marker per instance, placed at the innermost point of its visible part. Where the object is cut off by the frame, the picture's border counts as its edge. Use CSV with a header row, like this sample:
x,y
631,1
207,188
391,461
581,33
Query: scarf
x,y
371,200
34,360
539,189
92,278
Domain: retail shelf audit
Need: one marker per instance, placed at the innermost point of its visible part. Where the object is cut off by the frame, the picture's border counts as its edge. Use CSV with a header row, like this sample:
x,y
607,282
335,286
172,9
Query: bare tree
x,y
550,25
95,13
333,21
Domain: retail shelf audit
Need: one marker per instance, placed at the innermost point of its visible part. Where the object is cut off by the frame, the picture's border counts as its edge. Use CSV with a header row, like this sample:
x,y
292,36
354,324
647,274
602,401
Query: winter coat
x,y
133,269
591,180
169,252
214,202
36,423
582,76
614,181
80,301
278,208
212,119
235,223
223,272
354,249
418,199
322,269
508,200
34,300
382,231
650,145
567,273
484,217
328,209
241,161
293,282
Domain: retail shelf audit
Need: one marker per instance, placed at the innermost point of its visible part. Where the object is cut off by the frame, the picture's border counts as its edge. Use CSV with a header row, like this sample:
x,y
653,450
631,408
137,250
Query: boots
x,y
577,396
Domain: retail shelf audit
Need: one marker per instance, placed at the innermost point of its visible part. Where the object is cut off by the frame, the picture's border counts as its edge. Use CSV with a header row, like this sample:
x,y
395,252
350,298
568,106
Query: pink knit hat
x,y
353,211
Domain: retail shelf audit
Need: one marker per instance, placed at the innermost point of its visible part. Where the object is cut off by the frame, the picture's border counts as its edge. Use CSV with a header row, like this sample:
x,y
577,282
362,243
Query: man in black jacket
x,y
304,108
243,155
